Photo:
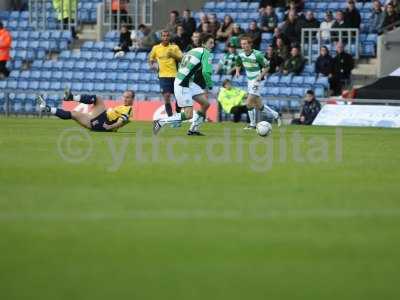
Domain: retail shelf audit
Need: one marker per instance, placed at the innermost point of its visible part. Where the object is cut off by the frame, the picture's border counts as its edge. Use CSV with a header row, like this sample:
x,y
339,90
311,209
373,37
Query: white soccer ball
x,y
264,128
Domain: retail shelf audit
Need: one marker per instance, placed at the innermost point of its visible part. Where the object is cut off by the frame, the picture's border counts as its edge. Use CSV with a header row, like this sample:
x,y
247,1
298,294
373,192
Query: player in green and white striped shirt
x,y
192,84
255,65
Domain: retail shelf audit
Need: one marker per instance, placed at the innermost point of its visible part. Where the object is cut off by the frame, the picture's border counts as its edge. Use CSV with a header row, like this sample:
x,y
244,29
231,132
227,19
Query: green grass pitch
x,y
308,213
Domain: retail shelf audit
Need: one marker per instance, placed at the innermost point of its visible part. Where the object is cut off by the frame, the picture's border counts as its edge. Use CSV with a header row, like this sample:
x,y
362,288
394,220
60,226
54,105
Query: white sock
x,y
198,119
252,115
53,110
269,111
176,118
77,98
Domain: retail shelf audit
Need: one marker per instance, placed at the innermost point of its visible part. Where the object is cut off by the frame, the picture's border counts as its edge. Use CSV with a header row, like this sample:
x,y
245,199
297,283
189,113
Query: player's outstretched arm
x,y
120,123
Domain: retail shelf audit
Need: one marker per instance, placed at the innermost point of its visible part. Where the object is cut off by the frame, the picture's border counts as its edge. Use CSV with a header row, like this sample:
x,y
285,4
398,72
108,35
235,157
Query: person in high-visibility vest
x,y
66,11
5,46
233,100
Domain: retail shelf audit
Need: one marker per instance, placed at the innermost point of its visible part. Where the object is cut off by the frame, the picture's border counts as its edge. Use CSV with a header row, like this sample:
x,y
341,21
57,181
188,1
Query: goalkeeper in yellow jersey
x,y
99,119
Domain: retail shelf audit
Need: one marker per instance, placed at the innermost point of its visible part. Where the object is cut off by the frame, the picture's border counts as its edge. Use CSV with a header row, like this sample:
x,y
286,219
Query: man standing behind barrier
x,y
5,45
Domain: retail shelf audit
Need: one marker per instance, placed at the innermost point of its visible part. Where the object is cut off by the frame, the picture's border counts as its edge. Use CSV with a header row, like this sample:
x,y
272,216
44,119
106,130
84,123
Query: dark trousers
x,y
3,68
65,27
238,111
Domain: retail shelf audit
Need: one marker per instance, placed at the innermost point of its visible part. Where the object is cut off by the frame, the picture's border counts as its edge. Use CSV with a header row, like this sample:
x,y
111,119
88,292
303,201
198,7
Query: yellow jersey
x,y
119,112
167,64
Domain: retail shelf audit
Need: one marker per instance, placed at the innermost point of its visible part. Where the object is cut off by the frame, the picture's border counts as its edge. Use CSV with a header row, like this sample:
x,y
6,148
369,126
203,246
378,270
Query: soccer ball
x,y
264,128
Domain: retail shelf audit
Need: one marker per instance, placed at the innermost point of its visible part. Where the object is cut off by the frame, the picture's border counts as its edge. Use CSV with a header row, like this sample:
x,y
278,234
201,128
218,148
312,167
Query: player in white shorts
x,y
254,64
192,84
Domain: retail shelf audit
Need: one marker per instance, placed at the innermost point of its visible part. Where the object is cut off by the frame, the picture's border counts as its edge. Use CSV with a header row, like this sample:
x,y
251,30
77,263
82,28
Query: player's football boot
x,y
195,133
68,96
249,127
41,102
279,120
156,127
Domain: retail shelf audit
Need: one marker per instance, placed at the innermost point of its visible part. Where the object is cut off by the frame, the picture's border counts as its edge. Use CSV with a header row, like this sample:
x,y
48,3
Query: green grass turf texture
x,y
198,229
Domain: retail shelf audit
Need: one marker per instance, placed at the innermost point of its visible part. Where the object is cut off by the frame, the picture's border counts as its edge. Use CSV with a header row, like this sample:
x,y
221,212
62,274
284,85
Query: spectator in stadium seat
x,y
274,61
124,41
234,37
299,4
343,64
226,28
292,28
324,63
164,58
310,21
295,63
325,26
255,33
227,66
396,5
188,22
173,22
65,13
278,34
264,3
232,100
281,49
214,24
203,19
195,41
268,19
148,40
390,18
181,39
310,110
205,28
352,15
5,46
376,19
340,23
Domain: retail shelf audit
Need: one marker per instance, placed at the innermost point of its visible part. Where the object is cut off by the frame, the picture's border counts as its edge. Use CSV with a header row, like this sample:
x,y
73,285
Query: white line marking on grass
x,y
200,215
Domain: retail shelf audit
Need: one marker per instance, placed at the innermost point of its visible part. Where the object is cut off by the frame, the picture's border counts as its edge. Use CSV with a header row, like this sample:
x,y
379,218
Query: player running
x,y
254,64
191,84
99,119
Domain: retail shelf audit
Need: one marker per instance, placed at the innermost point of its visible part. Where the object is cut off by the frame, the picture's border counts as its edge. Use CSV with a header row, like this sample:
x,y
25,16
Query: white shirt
x,y
325,34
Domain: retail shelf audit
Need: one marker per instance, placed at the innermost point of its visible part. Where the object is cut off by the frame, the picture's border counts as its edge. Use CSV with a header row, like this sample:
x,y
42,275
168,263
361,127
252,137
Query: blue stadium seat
x,y
55,86
30,104
89,86
297,80
309,80
319,92
99,87
121,87
285,80
298,91
323,81
273,79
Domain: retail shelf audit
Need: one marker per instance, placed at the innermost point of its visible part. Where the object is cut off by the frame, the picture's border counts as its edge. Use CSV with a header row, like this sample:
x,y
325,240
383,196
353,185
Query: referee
x,y
165,58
